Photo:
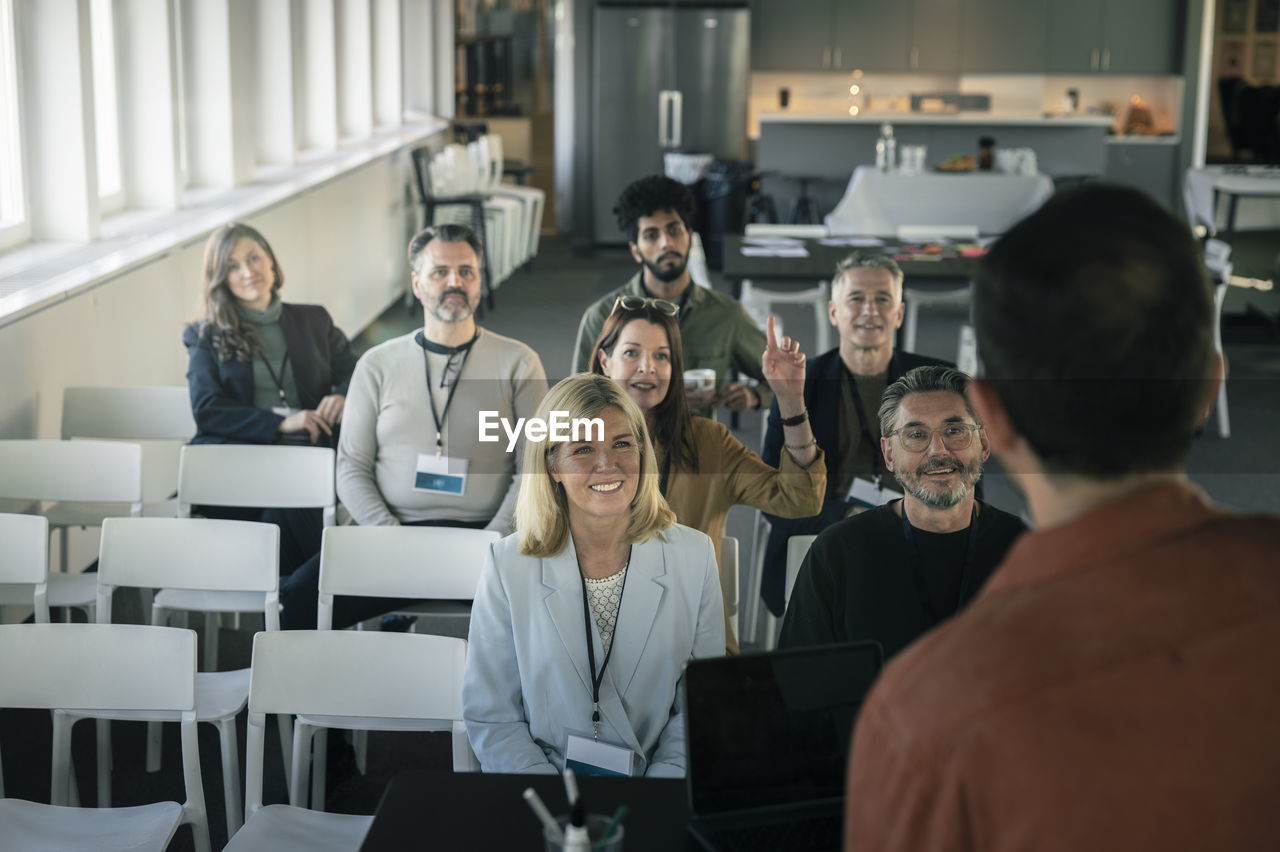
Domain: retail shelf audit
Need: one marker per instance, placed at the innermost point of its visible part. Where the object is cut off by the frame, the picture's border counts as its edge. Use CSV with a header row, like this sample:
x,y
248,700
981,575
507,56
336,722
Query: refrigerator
x,y
667,79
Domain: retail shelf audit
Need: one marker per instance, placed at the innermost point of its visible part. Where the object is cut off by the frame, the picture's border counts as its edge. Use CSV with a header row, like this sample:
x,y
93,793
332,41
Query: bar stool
x,y
804,210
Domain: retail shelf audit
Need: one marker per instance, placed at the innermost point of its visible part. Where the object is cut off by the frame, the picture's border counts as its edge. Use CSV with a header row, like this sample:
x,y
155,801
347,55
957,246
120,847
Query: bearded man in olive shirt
x,y
1115,684
656,213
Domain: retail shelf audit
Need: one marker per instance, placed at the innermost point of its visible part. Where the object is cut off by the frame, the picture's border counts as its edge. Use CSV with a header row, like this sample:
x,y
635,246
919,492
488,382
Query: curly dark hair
x,y
232,338
649,195
672,422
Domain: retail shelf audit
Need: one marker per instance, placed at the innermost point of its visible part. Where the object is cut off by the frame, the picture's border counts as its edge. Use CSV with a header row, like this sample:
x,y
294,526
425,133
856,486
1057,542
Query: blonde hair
x,y
542,510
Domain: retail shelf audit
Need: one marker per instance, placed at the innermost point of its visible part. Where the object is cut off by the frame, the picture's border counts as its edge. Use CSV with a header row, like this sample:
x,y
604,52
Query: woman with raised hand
x,y
704,469
585,616
261,371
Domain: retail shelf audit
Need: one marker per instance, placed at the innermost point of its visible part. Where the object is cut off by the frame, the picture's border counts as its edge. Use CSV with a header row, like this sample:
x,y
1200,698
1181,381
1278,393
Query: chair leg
x,y
319,766
63,536
909,327
303,735
284,726
154,738
73,786
212,620
360,739
230,774
104,762
61,771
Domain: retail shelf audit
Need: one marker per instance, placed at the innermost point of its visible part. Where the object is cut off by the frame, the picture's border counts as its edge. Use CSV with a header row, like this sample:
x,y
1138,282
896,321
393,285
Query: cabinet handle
x,y
837,59
826,57
1093,59
1106,59
915,57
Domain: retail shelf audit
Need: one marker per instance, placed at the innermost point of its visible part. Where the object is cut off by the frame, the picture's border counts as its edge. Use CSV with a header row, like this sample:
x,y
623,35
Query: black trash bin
x,y
723,197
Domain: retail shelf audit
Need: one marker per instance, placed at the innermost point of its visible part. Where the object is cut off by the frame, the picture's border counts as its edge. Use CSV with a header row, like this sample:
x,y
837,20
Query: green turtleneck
x,y
267,324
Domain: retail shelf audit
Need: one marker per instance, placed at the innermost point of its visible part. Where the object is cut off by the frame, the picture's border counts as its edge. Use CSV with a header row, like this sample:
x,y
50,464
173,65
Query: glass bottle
x,y
886,149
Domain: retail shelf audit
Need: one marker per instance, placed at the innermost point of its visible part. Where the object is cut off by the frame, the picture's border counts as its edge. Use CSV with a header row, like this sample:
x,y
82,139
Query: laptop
x,y
768,739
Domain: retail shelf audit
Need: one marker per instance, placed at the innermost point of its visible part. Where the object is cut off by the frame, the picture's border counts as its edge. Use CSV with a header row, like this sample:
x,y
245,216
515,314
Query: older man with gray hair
x,y
893,572
842,388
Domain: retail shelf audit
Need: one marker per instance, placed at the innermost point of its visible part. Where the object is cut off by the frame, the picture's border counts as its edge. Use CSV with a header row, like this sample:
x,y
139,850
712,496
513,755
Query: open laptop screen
x,y
774,729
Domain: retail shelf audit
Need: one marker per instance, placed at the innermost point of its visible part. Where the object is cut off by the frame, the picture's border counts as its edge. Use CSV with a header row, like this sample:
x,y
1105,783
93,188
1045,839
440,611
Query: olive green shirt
x,y
714,329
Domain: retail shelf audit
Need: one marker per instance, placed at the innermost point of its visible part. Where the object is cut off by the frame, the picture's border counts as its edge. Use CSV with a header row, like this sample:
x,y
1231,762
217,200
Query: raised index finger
x,y
770,337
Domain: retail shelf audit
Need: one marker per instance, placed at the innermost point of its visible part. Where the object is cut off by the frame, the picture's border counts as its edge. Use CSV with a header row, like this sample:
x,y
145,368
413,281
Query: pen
x,y
576,838
540,810
614,823
571,786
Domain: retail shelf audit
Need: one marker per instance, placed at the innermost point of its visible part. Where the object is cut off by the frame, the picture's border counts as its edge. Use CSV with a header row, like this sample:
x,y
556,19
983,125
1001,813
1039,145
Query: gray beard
x,y
945,500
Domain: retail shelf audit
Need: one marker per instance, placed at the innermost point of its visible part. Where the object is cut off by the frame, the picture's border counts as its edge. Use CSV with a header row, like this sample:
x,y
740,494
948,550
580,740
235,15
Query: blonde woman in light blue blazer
x,y
597,556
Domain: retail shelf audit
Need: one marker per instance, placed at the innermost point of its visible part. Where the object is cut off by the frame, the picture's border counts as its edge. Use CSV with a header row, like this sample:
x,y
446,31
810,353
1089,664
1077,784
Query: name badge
x,y
588,756
868,493
284,411
440,475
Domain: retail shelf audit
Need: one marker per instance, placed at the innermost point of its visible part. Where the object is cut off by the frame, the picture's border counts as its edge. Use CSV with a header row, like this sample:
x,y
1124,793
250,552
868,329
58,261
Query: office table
x,y
468,811
1205,187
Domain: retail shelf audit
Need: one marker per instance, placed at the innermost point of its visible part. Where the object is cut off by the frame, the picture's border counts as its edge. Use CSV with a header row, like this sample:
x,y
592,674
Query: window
x,y
13,209
105,115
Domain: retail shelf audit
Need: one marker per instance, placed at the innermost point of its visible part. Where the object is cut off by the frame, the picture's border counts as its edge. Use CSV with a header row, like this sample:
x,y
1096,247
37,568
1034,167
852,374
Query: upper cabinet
x,y
1114,36
1005,36
967,36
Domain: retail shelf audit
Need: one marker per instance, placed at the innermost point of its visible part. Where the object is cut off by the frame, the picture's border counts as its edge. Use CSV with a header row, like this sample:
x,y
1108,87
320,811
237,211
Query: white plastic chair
x,y
535,199
197,555
337,673
1217,257
439,566
62,472
917,298
759,302
121,667
797,547
270,476
729,579
24,566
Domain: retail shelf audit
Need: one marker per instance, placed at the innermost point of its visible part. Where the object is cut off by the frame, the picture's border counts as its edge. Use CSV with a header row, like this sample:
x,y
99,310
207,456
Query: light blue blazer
x,y
527,680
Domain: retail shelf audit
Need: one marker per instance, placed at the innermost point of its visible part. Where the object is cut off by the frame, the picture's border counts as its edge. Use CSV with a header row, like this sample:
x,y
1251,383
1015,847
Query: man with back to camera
x,y
896,571
655,213
841,389
1114,685
408,458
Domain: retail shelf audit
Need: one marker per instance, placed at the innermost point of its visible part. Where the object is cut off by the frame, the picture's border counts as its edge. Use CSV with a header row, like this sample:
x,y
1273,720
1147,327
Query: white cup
x,y
701,380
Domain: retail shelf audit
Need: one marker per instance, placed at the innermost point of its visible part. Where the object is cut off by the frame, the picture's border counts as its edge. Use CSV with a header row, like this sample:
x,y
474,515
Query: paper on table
x,y
852,242
775,251
771,240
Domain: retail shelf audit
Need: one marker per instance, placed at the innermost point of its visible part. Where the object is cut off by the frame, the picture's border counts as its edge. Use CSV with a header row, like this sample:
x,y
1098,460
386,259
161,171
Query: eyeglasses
x,y
955,436
639,303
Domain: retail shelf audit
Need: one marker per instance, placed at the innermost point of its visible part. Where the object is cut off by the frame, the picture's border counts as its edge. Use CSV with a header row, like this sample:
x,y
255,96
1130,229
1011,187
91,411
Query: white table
x,y
877,203
1203,187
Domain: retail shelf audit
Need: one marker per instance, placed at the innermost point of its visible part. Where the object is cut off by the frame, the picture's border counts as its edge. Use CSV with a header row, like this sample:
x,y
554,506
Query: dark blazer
x,y
822,398
222,391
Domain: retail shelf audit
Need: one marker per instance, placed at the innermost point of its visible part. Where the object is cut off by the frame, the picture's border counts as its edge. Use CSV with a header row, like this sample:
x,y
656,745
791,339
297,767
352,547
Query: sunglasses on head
x,y
639,303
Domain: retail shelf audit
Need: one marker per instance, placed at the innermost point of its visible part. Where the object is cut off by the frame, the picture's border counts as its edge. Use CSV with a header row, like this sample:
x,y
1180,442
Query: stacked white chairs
x,y
461,175
534,200
115,667
246,475
24,565
337,673
437,565
760,302
62,472
201,555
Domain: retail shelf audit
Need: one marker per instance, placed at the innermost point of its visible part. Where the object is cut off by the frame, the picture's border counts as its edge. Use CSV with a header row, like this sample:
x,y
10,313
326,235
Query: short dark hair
x,y
927,379
1094,323
648,196
445,234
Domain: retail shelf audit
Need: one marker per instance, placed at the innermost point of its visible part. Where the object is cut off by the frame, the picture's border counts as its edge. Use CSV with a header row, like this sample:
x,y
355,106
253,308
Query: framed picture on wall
x,y
1264,60
1231,59
1235,16
1267,17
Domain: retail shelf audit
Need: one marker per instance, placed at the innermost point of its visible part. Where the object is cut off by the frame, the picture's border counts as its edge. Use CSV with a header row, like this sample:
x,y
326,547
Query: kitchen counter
x,y
965,118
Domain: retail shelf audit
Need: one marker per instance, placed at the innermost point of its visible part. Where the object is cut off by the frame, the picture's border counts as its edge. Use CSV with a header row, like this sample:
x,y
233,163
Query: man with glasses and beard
x,y
655,213
410,449
892,573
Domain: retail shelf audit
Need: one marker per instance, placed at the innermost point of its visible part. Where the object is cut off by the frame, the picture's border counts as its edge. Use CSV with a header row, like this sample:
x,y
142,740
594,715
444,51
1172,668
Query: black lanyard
x,y
279,380
666,474
917,570
862,424
437,417
597,679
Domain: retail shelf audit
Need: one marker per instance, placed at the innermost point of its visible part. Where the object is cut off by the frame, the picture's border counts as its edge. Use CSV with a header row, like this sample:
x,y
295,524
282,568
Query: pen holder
x,y
597,824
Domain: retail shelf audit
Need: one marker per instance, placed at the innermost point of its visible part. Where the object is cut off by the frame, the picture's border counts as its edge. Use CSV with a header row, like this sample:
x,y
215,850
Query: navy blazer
x,y
822,398
222,391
